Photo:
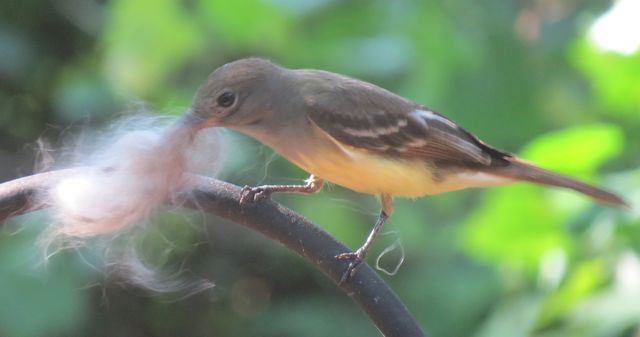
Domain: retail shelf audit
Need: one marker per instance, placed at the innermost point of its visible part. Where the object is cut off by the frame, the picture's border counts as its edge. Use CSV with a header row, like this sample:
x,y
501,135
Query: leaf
x,y
517,224
146,41
578,150
615,78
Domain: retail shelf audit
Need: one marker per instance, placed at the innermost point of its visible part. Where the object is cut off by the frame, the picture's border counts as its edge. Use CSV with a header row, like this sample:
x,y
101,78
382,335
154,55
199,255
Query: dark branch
x,y
269,218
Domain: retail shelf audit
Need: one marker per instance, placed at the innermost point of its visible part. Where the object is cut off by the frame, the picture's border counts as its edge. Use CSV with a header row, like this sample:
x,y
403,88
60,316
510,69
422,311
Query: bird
x,y
360,136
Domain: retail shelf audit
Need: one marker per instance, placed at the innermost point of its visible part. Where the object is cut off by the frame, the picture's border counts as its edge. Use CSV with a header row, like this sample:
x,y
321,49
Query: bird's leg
x,y
358,256
312,184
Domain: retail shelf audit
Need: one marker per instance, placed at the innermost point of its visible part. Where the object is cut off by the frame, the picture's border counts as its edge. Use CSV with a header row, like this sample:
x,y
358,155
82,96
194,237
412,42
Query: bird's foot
x,y
254,194
356,259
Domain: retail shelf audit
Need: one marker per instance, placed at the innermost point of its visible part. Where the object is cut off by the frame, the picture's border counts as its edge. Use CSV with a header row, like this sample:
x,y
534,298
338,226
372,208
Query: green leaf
x,y
246,22
517,224
580,283
578,150
615,78
146,41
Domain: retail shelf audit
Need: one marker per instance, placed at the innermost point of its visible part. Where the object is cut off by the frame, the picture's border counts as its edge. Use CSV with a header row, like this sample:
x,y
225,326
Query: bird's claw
x,y
356,259
253,194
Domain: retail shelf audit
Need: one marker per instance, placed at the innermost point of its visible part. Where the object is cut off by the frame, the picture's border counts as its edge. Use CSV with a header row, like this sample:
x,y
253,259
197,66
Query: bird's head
x,y
237,94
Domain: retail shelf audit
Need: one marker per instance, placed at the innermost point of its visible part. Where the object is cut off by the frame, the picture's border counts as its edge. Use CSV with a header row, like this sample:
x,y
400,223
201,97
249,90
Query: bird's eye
x,y
226,99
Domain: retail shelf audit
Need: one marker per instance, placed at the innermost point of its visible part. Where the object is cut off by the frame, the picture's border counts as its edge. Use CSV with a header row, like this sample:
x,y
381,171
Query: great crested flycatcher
x,y
357,135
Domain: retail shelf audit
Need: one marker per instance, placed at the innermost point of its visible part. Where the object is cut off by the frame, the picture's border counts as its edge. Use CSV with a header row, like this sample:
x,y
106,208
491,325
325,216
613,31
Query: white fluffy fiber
x,y
135,176
128,175
123,176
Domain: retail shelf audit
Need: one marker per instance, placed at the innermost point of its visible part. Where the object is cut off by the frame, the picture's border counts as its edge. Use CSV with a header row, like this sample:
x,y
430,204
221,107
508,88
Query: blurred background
x,y
557,82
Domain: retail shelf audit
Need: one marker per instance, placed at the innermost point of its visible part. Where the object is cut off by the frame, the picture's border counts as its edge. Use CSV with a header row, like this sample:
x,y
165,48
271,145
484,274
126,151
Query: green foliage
x,y
531,223
37,303
617,85
576,151
517,260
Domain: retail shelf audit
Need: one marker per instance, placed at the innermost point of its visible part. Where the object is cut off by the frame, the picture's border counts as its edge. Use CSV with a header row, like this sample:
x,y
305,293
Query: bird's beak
x,y
194,120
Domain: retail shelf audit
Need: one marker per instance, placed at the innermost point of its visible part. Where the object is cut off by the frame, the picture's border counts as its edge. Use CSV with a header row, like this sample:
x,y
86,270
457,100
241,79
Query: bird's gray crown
x,y
242,70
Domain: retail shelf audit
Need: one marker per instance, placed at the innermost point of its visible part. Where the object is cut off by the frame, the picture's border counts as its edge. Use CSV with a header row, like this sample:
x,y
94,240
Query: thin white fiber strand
x,y
397,244
133,270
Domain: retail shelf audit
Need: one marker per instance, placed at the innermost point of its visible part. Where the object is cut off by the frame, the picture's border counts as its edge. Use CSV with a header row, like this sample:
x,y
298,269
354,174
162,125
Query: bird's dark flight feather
x,y
365,116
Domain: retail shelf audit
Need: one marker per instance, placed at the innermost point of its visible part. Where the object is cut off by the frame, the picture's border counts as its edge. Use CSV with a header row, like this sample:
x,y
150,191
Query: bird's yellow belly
x,y
367,172
372,174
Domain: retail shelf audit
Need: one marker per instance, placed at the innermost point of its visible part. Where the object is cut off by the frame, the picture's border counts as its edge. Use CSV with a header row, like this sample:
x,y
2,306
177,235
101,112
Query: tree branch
x,y
275,221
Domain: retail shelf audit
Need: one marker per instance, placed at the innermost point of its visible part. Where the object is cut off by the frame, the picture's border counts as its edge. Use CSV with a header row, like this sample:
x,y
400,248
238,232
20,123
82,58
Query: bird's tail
x,y
521,170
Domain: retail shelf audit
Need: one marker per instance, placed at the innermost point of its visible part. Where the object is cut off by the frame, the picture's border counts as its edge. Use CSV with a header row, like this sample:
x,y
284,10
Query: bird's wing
x,y
364,116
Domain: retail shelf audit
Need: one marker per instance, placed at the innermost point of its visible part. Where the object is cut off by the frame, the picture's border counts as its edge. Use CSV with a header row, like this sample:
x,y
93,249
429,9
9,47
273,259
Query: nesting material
x,y
126,177
130,170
